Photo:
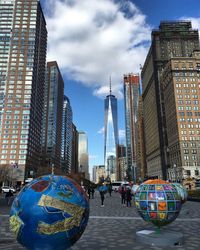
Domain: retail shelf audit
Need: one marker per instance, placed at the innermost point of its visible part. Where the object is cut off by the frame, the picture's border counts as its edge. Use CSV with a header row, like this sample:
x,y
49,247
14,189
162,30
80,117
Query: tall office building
x,y
54,94
131,95
172,39
67,136
23,40
83,153
74,164
121,162
140,143
181,83
99,173
110,136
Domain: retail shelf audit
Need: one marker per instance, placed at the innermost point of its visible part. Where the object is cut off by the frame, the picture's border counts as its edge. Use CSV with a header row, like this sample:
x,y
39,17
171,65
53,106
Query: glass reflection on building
x,y
66,152
83,153
131,95
111,136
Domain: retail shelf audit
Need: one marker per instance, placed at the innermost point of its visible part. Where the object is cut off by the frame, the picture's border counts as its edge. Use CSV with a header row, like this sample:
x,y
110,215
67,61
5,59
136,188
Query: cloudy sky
x,y
93,40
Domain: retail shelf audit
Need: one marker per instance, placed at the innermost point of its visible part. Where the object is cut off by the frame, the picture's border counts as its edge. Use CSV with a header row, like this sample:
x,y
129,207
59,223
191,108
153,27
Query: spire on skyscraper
x,y
110,87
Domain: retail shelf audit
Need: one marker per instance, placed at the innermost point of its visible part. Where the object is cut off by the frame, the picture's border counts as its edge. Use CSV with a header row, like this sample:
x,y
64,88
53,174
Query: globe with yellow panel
x,y
158,201
51,212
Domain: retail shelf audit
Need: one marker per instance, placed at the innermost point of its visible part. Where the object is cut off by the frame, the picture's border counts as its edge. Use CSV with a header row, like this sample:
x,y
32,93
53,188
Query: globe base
x,y
159,237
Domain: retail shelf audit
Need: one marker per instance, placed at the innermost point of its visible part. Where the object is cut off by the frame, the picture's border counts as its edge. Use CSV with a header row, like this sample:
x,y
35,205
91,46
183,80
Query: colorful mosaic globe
x,y
182,191
51,212
158,201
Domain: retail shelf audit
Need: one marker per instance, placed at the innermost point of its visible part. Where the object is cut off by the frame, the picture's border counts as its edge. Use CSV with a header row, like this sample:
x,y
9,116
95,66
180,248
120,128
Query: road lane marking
x,y
136,218
123,218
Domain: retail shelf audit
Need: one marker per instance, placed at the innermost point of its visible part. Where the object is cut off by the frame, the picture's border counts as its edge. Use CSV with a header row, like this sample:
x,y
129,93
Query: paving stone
x,y
115,227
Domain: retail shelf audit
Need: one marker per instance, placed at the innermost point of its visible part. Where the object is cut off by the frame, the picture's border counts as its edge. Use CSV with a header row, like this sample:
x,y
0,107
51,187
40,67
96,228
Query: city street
x,y
115,227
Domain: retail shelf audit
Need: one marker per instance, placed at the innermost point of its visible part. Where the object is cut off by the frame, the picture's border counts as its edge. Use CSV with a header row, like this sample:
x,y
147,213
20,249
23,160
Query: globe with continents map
x,y
51,212
158,201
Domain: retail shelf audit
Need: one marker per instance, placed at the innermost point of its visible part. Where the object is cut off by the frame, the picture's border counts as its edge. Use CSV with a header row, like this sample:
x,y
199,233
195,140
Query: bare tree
x,y
4,173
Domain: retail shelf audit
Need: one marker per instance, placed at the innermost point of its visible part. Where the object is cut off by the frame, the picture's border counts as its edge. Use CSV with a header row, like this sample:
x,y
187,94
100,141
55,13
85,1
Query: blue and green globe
x,y
49,213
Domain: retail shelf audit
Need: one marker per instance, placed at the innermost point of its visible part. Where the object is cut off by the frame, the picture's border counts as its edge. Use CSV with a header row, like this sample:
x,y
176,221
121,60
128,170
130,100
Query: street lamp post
x,y
52,168
175,172
81,168
134,172
182,174
11,175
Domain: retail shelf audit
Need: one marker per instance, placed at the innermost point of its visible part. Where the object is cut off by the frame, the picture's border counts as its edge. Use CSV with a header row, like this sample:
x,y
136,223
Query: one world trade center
x,y
111,136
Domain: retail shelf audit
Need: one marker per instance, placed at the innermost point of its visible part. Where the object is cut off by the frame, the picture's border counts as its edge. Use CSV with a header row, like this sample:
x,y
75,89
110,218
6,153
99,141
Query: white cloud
x,y
101,131
103,91
95,39
195,22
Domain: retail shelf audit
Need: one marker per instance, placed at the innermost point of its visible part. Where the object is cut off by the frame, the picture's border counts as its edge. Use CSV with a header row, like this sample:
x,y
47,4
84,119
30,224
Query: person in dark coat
x,y
123,195
110,189
102,198
92,191
8,196
89,191
128,197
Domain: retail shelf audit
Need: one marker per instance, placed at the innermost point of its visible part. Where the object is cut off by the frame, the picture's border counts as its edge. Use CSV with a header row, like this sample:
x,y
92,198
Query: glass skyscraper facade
x,y
83,153
54,94
67,136
131,96
110,135
23,40
74,164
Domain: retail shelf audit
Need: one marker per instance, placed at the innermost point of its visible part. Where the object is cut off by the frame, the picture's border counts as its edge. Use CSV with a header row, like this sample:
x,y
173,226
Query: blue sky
x,y
94,39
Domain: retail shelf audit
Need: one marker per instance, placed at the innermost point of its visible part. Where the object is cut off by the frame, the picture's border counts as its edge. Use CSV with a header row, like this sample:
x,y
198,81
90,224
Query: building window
x,y
21,161
188,172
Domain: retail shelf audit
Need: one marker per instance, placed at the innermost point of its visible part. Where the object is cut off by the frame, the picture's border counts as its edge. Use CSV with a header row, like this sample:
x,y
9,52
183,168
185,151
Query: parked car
x,y
5,189
117,184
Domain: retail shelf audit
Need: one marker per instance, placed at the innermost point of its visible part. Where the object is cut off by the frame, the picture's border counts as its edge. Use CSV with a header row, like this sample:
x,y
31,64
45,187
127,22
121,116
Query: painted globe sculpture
x,y
51,212
158,201
182,191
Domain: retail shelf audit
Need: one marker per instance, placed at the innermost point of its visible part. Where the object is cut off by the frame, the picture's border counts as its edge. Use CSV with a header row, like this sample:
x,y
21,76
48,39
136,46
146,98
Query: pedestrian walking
x,y
102,190
123,195
102,198
92,191
128,197
89,191
8,196
110,189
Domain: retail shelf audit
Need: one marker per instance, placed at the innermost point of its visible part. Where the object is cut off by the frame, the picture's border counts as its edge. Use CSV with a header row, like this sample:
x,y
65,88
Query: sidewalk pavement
x,y
114,227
